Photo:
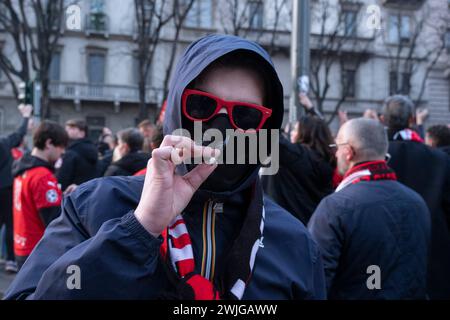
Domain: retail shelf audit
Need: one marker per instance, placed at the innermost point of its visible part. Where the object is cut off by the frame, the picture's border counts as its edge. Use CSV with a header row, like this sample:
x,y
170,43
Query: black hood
x,y
197,57
133,161
84,147
28,162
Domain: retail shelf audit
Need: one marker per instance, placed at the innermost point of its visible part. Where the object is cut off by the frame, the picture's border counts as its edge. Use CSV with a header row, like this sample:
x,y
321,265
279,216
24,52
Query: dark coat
x,y
79,163
128,165
119,259
104,162
6,144
303,180
427,171
381,223
445,149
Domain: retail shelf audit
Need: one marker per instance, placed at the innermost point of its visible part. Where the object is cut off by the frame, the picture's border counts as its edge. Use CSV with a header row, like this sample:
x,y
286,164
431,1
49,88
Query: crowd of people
x,y
363,214
61,159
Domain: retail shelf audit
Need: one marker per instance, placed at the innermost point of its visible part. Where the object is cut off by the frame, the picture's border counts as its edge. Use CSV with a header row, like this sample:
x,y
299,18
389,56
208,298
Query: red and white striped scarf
x,y
177,243
177,248
408,135
367,171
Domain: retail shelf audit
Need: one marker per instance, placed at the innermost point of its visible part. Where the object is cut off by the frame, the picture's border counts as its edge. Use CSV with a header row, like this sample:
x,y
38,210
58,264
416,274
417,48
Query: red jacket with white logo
x,y
35,189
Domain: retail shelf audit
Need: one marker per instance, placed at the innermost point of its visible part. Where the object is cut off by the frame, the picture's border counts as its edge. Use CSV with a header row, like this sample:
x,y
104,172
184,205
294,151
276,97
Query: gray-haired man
x,y
373,231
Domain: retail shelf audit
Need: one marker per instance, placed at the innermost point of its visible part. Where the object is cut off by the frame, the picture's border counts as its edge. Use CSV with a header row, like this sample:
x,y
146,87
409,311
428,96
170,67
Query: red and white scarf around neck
x,y
367,171
176,250
408,135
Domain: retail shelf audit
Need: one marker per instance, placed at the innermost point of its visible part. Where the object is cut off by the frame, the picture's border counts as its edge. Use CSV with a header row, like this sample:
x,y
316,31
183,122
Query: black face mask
x,y
226,177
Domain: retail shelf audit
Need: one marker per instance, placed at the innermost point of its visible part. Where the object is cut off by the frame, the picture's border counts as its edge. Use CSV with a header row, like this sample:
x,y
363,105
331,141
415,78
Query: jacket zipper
x,y
209,241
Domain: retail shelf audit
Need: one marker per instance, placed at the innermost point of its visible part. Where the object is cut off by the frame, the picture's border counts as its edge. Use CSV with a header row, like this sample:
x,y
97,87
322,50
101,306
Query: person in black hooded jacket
x,y
6,181
187,230
79,162
426,171
306,168
438,136
129,152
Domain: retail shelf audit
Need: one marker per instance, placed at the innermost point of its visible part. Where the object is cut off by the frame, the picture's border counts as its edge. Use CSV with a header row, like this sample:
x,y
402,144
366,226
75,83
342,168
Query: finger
x,y
176,156
161,157
211,155
198,175
186,148
177,141
206,155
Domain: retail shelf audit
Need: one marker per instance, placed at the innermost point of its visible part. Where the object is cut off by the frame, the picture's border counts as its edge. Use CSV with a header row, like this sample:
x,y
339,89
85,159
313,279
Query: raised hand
x,y
166,194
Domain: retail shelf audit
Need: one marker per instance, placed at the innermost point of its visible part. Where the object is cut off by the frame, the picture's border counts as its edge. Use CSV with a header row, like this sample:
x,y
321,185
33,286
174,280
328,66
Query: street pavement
x,y
5,279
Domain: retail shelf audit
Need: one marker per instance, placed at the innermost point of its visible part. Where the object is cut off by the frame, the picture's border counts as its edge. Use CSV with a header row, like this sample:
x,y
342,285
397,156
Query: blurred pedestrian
x,y
370,114
106,144
156,141
306,168
438,136
427,172
128,155
371,221
20,150
421,116
7,143
79,162
37,197
147,130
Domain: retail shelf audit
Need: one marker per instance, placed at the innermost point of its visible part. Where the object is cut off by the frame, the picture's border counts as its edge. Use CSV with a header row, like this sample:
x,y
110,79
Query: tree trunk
x,y
45,98
143,111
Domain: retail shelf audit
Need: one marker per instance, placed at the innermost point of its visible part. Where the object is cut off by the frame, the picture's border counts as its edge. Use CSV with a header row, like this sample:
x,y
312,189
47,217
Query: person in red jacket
x,y
36,194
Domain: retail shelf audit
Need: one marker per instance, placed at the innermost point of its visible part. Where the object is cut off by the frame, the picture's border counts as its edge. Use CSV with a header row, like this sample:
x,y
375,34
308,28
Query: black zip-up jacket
x,y
427,171
79,163
128,165
303,180
6,144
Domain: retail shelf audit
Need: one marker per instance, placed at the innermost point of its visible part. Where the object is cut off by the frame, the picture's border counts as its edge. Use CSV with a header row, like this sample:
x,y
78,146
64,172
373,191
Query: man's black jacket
x,y
6,144
427,171
79,163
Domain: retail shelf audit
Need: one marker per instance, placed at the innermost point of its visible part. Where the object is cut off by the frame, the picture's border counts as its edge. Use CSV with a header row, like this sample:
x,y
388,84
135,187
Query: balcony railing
x,y
406,4
102,92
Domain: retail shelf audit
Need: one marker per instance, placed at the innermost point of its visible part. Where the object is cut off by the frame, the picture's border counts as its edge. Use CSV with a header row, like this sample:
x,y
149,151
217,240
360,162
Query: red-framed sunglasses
x,y
202,106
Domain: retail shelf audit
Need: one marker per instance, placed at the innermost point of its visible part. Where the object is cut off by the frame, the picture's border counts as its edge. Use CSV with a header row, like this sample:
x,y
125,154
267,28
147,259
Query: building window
x,y
350,17
96,67
393,83
200,14
97,6
399,28
96,125
405,85
399,83
55,67
97,17
349,82
256,14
